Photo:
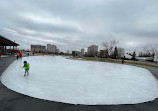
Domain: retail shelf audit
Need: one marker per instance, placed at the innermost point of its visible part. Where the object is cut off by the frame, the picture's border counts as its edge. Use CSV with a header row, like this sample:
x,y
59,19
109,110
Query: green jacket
x,y
26,66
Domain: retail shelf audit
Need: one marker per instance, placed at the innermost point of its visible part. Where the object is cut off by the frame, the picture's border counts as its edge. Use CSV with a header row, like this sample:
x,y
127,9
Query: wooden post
x,y
13,49
5,49
10,49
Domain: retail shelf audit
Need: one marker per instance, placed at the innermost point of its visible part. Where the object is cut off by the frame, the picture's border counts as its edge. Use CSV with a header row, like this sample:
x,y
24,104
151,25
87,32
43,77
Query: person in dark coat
x,y
17,56
123,59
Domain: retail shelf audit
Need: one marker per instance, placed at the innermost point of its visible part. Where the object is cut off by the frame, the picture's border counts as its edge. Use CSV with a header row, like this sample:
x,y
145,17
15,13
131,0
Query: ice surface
x,y
81,82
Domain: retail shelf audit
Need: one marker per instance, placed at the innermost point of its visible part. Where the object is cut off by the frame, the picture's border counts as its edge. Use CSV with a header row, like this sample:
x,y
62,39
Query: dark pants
x,y
27,71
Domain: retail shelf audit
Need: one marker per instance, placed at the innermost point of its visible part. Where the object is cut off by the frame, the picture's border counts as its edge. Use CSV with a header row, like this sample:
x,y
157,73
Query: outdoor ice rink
x,y
81,82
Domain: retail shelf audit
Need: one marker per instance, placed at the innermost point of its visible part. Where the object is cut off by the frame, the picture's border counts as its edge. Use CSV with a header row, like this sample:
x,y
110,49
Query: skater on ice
x,y
26,66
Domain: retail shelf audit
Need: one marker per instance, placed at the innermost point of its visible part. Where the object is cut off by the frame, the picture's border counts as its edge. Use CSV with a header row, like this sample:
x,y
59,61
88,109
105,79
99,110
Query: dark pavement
x,y
12,101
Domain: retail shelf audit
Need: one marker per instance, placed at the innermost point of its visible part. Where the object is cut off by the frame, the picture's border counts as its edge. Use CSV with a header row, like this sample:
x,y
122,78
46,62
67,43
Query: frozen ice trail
x,y
81,82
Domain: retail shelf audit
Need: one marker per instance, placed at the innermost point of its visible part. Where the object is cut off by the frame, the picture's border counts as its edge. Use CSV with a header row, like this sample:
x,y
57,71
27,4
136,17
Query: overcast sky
x,y
76,24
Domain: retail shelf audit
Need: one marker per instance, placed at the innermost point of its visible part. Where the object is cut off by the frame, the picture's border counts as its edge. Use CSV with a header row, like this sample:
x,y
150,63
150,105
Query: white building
x,y
92,50
51,48
38,48
82,51
127,56
156,57
57,51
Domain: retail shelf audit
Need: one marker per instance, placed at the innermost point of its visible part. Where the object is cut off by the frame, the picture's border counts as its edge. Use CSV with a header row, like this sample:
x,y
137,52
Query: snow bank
x,y
81,82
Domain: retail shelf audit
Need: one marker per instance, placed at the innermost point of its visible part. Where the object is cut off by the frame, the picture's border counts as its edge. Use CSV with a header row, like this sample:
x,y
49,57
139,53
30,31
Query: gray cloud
x,y
75,24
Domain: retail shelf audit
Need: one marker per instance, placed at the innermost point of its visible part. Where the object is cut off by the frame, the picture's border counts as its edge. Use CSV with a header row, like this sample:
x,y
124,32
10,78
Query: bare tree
x,y
153,50
146,49
149,50
121,52
110,46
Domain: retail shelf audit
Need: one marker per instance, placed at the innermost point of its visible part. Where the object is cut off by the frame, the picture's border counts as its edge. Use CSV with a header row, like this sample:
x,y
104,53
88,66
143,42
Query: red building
x,y
103,53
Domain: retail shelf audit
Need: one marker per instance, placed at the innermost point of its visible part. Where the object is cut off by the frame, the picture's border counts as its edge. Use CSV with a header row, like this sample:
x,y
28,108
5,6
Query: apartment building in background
x,y
92,51
82,51
52,48
38,48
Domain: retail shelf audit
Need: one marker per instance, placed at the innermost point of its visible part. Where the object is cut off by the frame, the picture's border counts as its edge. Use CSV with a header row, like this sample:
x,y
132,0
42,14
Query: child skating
x,y
26,66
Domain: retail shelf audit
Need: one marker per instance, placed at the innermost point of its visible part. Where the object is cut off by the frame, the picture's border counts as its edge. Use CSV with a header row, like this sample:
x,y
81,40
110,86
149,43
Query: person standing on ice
x,y
17,56
26,66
